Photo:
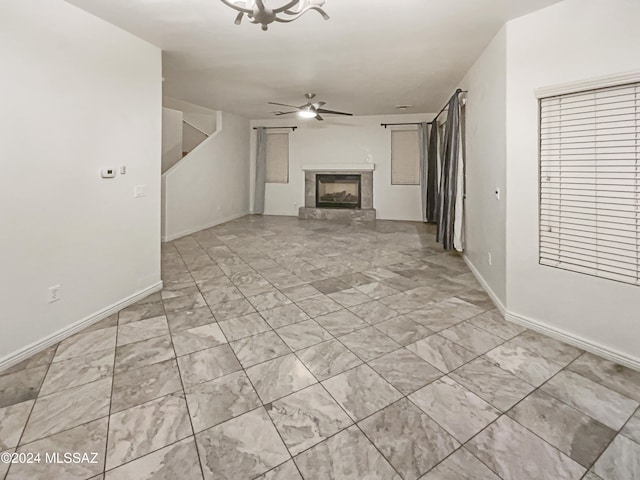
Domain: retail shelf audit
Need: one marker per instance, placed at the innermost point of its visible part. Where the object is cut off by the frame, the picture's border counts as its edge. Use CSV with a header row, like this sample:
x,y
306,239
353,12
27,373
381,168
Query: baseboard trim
x,y
476,273
36,347
184,233
554,332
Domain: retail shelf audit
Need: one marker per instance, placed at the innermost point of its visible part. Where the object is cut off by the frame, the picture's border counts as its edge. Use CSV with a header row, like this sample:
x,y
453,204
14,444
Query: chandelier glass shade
x,y
259,12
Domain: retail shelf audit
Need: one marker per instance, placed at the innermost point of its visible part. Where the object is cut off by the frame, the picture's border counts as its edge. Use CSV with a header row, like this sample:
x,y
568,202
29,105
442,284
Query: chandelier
x,y
259,13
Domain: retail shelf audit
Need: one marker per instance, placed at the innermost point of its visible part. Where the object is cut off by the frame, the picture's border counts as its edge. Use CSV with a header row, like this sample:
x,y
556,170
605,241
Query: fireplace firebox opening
x,y
338,191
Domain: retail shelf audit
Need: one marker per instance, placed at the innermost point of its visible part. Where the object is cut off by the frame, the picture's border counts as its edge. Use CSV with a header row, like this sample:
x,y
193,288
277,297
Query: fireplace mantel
x,y
334,167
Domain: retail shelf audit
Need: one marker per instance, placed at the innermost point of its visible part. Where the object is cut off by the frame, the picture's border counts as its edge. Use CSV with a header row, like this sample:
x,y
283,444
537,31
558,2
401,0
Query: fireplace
x,y
338,191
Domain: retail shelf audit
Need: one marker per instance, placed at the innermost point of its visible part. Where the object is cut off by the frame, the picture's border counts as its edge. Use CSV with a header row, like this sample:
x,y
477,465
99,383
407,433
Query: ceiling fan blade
x,y
284,113
282,104
317,105
319,118
322,110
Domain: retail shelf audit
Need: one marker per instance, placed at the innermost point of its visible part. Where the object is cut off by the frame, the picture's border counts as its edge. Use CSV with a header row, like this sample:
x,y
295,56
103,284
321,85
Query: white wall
x,y
571,41
202,117
211,184
78,94
171,137
342,140
486,165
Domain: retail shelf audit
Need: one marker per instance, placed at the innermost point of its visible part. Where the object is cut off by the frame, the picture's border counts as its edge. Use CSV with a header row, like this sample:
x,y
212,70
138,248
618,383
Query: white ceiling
x,y
370,56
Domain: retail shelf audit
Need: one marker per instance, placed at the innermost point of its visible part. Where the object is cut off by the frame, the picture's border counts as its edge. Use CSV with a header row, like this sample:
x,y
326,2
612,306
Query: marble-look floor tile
x,y
349,455
144,428
207,364
406,302
377,290
303,334
459,308
210,284
461,465
199,338
279,377
341,322
307,417
301,292
548,347
78,371
380,274
286,471
479,298
21,386
621,461
179,460
83,343
374,312
67,409
616,377
409,439
514,453
498,387
232,309
259,348
188,319
218,400
206,273
632,428
433,318
40,359
330,285
328,359
350,297
179,290
493,322
570,431
441,352
89,438
243,447
529,366
368,343
405,370
472,338
320,305
185,302
12,421
4,467
285,315
403,330
356,279
361,391
140,311
110,321
142,330
138,386
462,413
221,294
269,300
589,397
243,326
146,352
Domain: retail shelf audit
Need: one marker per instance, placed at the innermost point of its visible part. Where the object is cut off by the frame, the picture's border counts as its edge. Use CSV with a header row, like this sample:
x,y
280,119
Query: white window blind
x,y
278,158
590,182
405,157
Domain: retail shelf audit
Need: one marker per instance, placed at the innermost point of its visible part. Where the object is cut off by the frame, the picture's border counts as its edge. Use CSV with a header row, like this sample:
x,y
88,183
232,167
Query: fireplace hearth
x,y
338,191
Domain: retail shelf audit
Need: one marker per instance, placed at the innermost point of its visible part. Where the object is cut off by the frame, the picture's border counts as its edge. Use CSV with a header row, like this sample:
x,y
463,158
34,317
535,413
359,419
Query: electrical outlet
x,y
489,259
139,191
54,293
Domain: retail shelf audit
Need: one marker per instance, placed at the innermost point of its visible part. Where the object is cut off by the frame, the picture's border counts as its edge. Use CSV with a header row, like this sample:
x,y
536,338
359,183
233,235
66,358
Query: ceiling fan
x,y
309,109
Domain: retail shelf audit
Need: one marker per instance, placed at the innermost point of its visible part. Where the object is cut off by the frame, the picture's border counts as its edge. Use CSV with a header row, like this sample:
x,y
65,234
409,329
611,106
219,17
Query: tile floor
x,y
283,349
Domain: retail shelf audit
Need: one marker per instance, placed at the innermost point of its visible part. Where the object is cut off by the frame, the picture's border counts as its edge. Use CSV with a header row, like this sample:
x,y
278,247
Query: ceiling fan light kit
x,y
309,110
259,13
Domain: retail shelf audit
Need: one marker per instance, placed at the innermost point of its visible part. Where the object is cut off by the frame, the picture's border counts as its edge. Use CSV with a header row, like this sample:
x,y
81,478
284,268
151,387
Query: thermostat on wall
x,y
108,172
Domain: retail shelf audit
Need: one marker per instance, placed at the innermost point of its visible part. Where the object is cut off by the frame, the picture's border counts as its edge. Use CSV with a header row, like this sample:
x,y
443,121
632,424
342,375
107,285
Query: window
x,y
278,158
590,182
405,157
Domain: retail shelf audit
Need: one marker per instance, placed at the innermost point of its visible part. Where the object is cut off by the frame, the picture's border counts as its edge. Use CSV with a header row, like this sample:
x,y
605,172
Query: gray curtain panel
x,y
448,179
261,170
423,144
432,175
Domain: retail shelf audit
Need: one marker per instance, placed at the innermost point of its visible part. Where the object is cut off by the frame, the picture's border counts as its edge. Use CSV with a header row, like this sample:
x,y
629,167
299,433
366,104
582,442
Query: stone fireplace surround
x,y
364,214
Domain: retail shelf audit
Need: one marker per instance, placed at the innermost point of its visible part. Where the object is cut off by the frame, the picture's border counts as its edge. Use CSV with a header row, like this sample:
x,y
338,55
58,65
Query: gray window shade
x,y
278,158
405,157
590,182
